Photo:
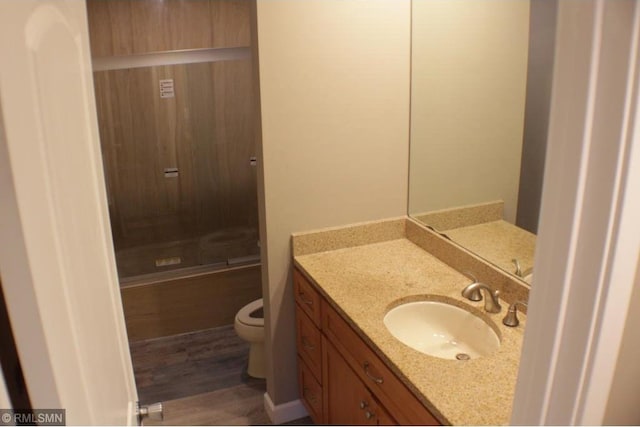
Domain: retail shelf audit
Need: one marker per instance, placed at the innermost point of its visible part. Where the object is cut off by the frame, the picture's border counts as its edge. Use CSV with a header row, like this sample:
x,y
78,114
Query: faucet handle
x,y
511,318
474,295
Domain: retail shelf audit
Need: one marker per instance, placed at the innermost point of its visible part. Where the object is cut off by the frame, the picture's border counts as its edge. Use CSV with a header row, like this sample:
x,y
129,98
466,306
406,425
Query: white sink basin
x,y
441,330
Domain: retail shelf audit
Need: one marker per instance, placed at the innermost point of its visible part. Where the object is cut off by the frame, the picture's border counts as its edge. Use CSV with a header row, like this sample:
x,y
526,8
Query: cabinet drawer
x,y
346,399
309,343
310,391
391,392
307,297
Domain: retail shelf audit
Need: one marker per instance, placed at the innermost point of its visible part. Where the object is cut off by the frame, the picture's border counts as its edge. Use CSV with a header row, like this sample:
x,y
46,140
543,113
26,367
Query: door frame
x,y
56,256
588,246
556,302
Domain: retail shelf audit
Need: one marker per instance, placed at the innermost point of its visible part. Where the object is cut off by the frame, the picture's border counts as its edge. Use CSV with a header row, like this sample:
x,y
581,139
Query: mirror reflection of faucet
x,y
526,275
518,271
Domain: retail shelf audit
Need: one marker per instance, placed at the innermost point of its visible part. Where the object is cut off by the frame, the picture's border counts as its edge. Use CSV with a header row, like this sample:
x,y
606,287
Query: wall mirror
x,y
480,99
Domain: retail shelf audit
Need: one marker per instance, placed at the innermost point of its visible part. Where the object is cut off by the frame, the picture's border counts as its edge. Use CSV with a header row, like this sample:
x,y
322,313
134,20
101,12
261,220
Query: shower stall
x,y
175,102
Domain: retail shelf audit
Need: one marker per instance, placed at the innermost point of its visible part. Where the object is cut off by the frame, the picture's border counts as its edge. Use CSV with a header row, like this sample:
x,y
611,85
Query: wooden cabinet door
x,y
347,400
382,416
310,392
375,374
309,342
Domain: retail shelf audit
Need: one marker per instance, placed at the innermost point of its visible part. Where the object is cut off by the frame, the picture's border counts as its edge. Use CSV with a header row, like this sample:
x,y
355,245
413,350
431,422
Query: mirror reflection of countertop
x,y
499,242
483,230
365,280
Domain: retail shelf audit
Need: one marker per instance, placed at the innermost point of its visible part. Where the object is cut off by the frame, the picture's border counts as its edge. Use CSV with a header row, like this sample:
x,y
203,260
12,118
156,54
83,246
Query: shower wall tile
x,y
206,131
192,303
125,27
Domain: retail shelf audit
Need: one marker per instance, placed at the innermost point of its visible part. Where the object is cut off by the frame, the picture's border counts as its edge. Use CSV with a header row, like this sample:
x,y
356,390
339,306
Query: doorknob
x,y
153,412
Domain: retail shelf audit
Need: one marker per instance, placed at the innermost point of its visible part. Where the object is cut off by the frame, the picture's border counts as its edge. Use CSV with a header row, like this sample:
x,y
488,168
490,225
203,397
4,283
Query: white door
x,y
56,256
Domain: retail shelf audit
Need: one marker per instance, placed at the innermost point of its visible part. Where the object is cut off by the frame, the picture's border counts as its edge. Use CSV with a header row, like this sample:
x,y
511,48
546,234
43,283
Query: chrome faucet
x,y
491,302
511,319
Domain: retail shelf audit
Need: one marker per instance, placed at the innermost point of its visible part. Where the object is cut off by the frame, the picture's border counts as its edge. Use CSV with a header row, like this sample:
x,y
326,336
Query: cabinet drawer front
x,y
347,400
309,343
391,392
307,297
310,392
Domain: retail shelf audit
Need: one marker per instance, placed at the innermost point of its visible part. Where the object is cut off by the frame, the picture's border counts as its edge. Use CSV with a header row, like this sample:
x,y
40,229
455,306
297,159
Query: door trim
x,y
588,246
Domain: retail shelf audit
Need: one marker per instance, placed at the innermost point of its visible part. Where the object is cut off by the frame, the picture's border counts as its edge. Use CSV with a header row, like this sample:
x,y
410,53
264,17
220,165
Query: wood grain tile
x,y
239,405
201,379
209,212
184,365
189,304
124,27
230,23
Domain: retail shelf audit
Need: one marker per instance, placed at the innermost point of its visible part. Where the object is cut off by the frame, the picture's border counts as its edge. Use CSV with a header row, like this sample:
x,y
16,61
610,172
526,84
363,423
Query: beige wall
x,y
623,408
334,87
4,394
468,97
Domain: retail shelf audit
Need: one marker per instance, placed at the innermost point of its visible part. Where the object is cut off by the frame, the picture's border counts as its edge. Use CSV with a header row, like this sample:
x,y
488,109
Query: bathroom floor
x,y
184,365
201,379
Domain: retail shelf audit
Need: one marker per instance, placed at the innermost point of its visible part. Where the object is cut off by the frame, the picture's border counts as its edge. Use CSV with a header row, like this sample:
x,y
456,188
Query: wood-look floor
x,y
201,379
238,405
184,365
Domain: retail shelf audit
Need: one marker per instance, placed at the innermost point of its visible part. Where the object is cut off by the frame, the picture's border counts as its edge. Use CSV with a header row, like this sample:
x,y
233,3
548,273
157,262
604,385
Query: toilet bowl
x,y
249,326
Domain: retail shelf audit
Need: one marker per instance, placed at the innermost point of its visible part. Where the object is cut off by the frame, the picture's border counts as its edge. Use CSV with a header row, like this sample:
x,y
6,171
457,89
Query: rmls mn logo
x,y
41,417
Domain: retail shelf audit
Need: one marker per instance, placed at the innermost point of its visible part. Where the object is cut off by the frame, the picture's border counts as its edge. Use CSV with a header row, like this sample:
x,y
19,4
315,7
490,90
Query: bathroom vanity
x,y
342,380
352,370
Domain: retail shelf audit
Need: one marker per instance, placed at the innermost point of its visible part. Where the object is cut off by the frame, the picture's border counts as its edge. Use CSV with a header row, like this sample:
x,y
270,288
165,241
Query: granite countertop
x,y
364,282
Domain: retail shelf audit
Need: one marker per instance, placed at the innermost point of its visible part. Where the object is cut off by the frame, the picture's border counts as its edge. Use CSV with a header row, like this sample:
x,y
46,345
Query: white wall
x,y
334,87
468,96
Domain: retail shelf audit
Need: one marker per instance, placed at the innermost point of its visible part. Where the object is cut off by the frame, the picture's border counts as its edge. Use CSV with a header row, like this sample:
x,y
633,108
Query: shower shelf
x,y
171,57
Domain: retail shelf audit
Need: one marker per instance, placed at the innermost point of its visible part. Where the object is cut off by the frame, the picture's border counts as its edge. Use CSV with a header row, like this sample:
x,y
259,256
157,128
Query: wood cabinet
x,y
310,390
341,379
348,400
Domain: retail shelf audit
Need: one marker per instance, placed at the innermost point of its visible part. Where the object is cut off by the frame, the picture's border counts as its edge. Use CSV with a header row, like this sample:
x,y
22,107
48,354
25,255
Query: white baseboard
x,y
285,412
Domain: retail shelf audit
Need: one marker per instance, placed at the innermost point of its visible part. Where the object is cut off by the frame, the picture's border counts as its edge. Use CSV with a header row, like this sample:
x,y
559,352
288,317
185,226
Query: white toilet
x,y
249,326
